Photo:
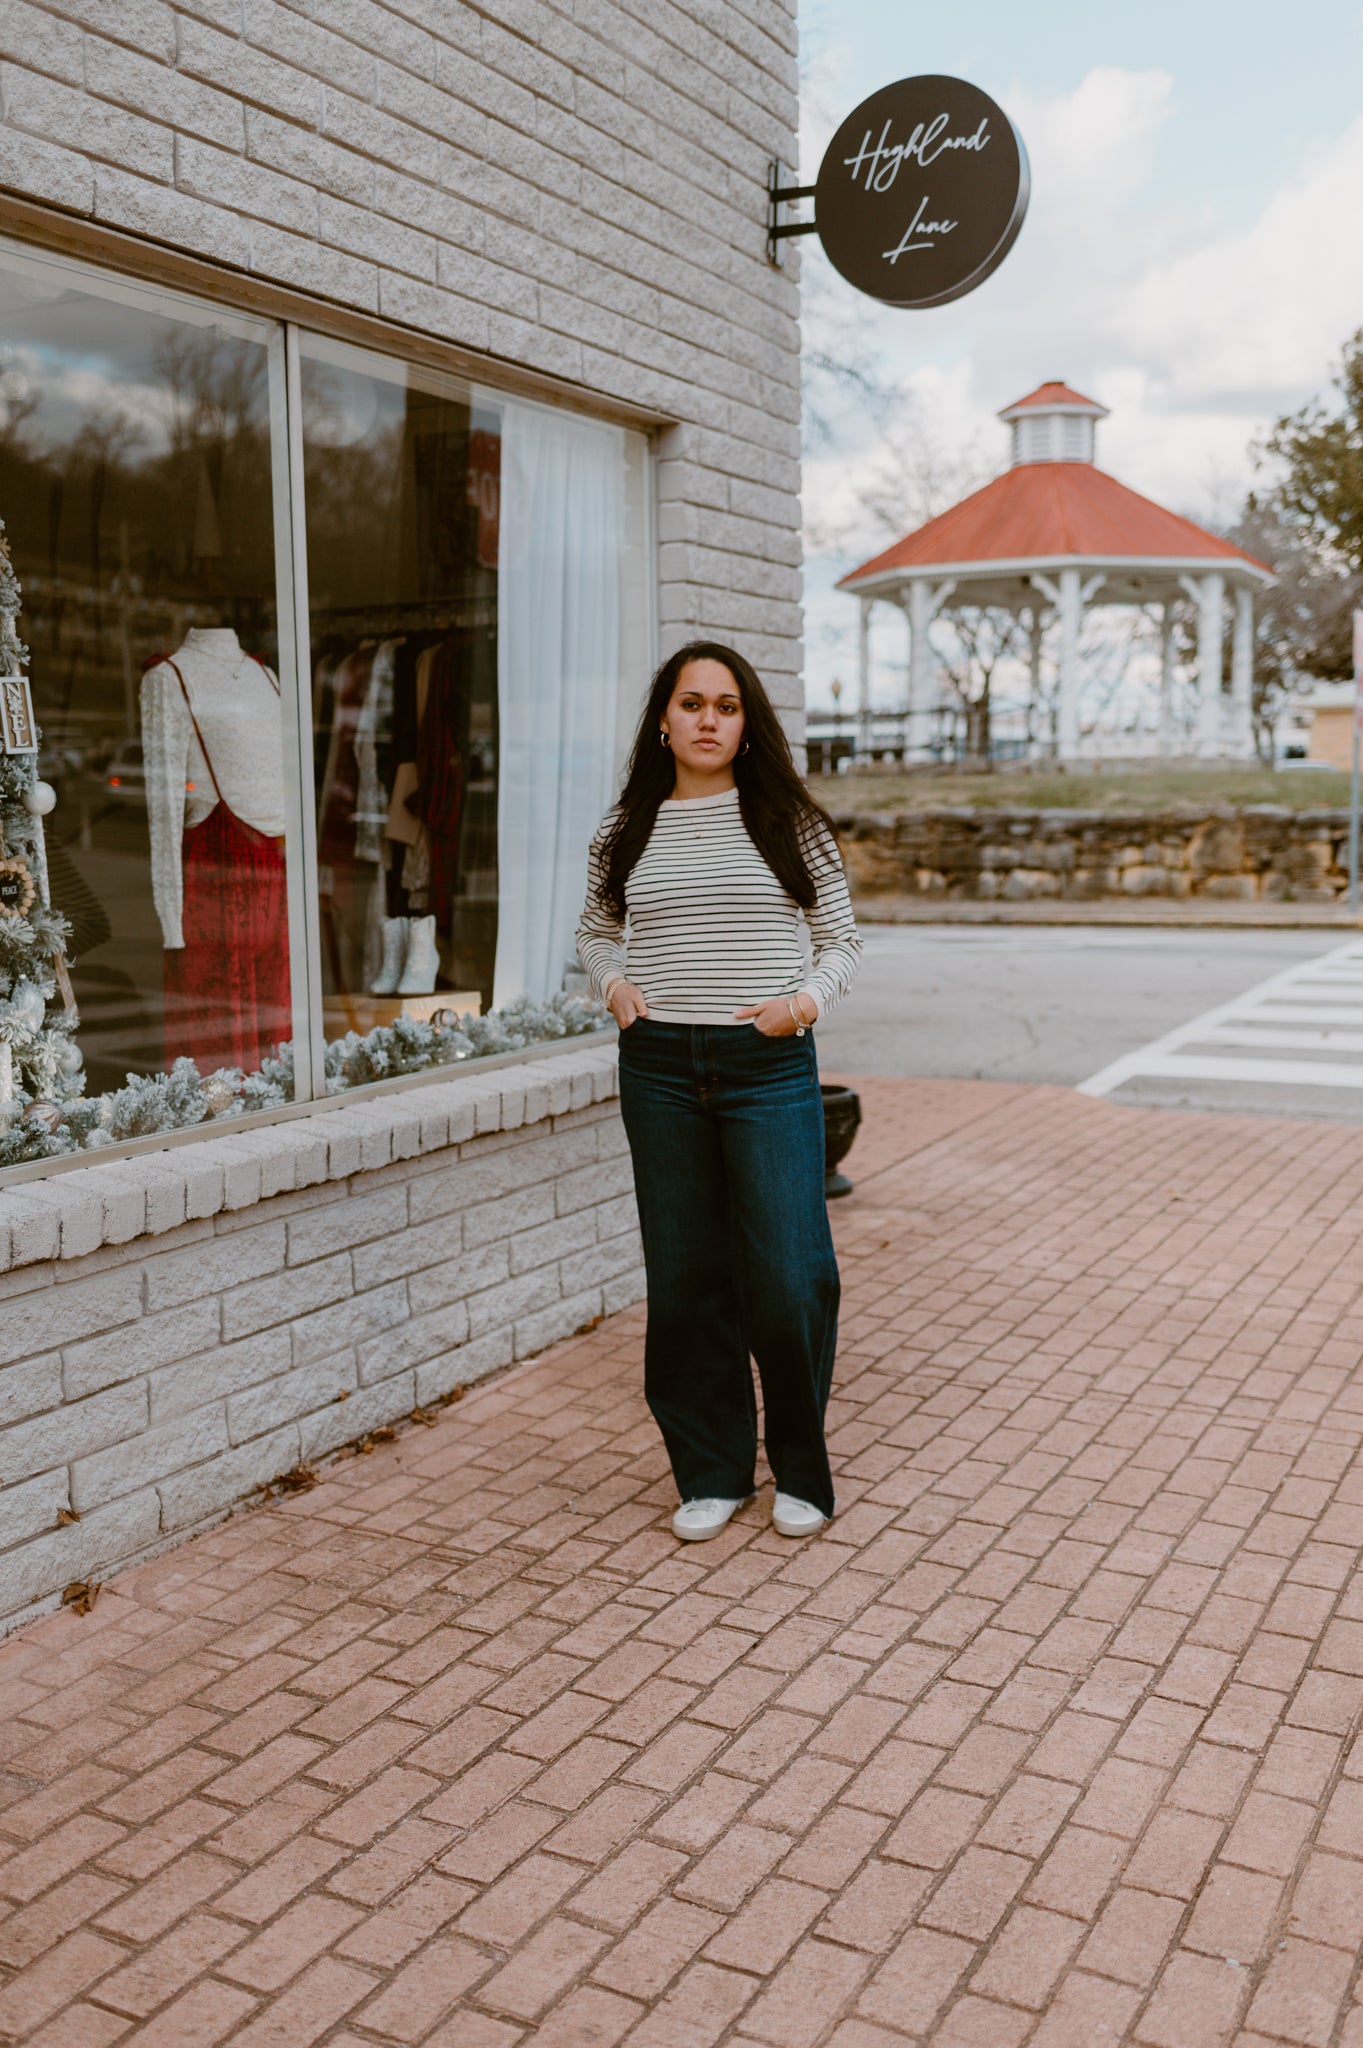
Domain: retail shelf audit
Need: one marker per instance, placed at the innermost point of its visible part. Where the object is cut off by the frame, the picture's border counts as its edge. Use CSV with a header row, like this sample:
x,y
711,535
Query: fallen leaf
x,y
65,1517
425,1416
81,1595
384,1434
447,1400
299,1480
585,1329
344,1394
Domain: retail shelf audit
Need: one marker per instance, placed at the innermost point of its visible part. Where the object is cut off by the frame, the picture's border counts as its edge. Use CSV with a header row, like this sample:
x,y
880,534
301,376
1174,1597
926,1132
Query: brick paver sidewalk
x,y
1048,1740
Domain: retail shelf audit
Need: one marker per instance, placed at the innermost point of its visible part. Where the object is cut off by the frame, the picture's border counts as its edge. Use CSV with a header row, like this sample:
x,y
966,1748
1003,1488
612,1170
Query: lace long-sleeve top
x,y
710,929
238,713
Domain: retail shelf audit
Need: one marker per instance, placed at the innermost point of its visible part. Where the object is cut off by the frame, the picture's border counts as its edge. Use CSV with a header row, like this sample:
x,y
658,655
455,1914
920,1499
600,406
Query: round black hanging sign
x,y
922,191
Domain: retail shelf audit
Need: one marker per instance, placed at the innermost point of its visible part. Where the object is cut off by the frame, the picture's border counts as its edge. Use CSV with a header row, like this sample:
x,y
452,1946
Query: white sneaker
x,y
696,1521
792,1517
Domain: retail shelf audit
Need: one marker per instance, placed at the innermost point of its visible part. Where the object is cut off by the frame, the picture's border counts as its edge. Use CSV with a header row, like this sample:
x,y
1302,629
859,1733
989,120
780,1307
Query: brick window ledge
x,y
112,1202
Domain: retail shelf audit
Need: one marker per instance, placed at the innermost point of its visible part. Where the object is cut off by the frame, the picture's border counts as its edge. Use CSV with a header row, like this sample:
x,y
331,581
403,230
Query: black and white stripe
x,y
710,928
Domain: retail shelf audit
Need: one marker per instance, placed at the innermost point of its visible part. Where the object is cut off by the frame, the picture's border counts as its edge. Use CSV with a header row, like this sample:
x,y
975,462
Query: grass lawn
x,y
1142,789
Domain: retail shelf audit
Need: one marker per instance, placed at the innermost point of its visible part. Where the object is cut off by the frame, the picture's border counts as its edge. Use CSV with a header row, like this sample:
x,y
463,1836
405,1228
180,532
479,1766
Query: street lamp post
x,y
1353,787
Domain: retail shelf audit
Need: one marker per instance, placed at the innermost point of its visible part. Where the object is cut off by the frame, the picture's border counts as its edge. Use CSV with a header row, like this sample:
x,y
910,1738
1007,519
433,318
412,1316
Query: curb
x,y
1185,915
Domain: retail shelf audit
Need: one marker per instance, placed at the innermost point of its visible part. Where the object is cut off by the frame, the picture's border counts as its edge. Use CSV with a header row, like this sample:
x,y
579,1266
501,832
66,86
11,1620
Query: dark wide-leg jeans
x,y
726,1131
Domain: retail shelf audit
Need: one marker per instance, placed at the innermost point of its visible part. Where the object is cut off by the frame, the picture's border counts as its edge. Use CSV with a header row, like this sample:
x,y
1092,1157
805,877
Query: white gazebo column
x,y
1067,719
1036,631
1069,599
1166,679
925,601
1208,593
1242,674
864,680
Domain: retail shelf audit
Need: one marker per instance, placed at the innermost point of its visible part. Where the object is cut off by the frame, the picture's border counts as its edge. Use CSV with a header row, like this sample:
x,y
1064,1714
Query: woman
x,y
711,860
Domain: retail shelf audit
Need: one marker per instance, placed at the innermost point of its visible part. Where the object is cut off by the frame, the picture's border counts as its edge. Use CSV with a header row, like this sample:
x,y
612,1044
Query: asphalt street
x,y
1039,1003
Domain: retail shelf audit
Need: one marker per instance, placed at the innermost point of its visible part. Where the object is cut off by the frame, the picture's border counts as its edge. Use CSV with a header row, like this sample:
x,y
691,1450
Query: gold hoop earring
x,y
666,737
744,748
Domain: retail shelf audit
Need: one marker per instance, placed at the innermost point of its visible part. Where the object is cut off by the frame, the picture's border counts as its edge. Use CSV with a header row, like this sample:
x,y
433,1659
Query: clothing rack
x,y
434,615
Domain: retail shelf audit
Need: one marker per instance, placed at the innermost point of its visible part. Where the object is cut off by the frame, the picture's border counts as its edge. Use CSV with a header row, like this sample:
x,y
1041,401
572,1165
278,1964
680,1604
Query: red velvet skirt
x,y
227,987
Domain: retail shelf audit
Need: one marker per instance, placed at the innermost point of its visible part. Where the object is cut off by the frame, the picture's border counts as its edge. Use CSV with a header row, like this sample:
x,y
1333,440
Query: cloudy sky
x,y
1192,256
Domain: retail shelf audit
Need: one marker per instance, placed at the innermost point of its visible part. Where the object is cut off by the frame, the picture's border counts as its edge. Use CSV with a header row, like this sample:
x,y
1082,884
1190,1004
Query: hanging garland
x,y
150,1104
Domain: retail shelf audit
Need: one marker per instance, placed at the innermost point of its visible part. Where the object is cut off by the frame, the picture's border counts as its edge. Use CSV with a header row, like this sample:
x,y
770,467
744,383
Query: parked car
x,y
125,778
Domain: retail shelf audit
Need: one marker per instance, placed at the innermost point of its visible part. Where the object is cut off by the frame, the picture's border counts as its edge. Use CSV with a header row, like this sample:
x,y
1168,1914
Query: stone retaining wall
x,y
180,1328
1263,853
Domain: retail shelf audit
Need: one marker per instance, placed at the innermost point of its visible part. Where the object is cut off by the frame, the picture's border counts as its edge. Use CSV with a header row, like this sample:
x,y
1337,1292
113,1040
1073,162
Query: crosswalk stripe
x,y
1195,1067
1269,1038
1321,998
1304,1013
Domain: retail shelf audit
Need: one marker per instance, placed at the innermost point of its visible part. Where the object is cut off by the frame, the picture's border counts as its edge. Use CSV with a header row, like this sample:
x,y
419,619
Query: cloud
x,y
1093,149
1252,316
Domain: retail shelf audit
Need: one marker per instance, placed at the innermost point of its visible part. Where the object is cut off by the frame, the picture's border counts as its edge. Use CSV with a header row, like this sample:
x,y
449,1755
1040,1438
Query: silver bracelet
x,y
800,1028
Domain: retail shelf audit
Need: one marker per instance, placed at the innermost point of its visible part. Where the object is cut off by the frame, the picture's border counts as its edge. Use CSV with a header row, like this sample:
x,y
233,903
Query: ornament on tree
x,y
17,886
45,1116
40,800
25,1007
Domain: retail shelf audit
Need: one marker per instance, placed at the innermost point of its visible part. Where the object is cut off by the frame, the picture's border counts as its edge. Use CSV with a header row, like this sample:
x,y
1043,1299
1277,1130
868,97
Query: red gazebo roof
x,y
1043,511
1055,395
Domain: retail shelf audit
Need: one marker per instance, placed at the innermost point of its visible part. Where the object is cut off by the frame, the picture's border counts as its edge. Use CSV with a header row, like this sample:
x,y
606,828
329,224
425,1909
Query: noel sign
x,y
18,732
920,195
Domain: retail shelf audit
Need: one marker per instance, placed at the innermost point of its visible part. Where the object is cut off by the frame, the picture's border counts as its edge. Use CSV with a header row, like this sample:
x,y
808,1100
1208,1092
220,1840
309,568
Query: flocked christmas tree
x,y
40,1064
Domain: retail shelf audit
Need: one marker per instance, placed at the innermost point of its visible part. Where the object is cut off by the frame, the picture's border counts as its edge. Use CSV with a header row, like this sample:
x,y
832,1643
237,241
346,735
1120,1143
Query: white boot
x,y
423,961
385,982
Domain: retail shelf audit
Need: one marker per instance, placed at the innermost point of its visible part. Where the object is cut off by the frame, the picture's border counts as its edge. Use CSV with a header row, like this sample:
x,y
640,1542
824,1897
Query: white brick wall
x,y
576,186
176,1329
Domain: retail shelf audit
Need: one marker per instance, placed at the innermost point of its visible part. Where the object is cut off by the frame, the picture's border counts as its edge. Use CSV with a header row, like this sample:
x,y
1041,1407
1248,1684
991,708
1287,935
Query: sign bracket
x,y
780,196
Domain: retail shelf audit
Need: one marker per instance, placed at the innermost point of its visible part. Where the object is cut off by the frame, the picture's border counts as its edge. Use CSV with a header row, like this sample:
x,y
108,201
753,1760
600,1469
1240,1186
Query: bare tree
x,y
974,641
18,403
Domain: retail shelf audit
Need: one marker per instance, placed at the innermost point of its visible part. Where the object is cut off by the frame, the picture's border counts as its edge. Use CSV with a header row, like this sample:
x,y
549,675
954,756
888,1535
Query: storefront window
x,y
136,491
401,474
477,620
463,582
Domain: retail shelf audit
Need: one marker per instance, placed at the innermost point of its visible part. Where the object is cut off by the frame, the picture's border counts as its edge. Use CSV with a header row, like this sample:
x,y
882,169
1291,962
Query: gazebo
x,y
1050,536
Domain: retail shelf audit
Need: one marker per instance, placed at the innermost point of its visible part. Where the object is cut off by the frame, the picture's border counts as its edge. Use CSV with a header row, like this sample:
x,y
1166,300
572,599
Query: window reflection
x,y
402,477
135,484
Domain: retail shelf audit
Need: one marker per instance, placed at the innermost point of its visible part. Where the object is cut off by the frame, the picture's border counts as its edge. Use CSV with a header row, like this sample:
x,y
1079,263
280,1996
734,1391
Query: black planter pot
x,y
841,1116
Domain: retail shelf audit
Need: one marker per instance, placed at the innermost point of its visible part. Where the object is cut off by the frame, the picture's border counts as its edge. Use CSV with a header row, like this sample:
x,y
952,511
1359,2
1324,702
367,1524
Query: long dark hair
x,y
778,812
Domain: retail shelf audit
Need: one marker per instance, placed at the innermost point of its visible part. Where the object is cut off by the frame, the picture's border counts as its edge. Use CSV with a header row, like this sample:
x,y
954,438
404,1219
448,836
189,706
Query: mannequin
x,y
212,745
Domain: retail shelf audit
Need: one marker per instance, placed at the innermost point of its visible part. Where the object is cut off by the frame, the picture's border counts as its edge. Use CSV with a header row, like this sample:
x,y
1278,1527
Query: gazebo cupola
x,y
1049,537
1054,425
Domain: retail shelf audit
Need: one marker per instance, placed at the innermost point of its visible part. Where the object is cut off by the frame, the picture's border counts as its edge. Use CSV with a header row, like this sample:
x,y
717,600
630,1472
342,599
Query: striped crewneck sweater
x,y
710,929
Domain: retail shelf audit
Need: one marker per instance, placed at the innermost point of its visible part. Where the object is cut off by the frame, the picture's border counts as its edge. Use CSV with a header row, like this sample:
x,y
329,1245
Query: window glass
x,y
402,480
136,491
476,627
